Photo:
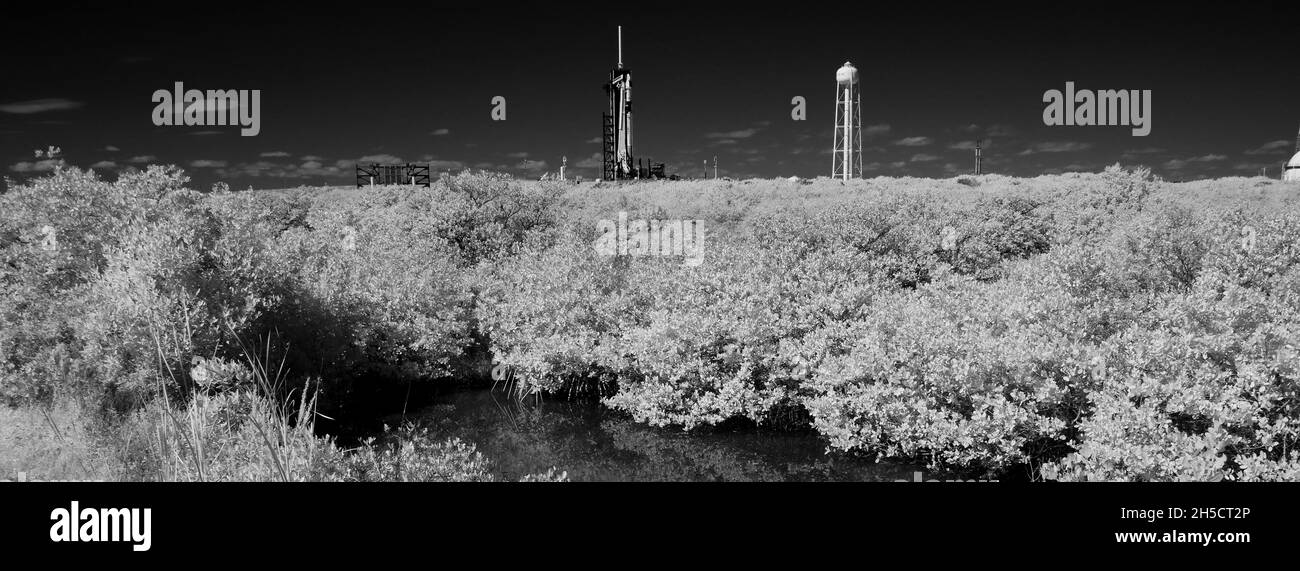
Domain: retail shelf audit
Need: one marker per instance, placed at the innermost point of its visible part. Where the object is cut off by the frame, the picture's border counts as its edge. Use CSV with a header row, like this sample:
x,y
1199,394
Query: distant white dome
x,y
847,74
1292,171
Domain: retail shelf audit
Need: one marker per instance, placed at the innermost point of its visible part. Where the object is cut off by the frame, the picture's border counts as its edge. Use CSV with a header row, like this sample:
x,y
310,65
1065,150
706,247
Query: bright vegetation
x,y
1084,327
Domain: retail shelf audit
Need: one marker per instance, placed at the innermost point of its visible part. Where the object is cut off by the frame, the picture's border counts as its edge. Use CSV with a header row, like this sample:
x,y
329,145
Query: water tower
x,y
847,156
1291,172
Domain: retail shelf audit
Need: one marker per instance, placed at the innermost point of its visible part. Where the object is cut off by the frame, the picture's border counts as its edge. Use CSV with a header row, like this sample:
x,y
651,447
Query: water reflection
x,y
592,443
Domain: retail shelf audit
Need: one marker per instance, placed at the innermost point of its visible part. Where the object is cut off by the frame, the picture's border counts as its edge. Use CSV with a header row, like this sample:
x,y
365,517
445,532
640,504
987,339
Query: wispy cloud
x,y
39,106
740,134
141,159
1271,148
319,169
1134,153
289,170
923,158
1057,147
441,132
272,154
380,158
997,130
875,130
207,164
111,149
913,141
104,165
532,167
591,162
1254,168
35,166
445,165
1178,164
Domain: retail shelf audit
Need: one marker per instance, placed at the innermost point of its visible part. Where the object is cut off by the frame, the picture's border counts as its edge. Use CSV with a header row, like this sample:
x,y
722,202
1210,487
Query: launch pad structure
x,y
617,160
386,174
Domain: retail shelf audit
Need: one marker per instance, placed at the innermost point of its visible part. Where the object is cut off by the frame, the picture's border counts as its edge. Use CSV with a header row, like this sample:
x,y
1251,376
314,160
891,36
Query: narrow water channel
x,y
593,443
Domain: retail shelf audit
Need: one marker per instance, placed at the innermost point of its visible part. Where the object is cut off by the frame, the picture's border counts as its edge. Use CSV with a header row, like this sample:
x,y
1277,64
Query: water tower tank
x,y
847,74
1291,173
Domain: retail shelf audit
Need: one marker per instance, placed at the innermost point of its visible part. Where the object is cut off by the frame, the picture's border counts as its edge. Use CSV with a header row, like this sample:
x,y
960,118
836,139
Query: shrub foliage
x,y
1109,326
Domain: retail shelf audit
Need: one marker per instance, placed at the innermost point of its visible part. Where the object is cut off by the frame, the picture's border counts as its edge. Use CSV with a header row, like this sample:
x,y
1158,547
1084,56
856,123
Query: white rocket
x,y
621,107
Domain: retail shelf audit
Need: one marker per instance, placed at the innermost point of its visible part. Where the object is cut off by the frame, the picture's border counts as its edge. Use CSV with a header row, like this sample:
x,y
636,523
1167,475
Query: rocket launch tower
x,y
616,136
616,133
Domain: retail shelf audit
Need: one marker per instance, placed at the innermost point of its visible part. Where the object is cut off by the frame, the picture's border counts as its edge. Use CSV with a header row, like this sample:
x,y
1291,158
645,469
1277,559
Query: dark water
x,y
592,443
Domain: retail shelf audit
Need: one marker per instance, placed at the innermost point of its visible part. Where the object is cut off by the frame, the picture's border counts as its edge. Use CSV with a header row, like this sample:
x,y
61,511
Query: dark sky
x,y
342,82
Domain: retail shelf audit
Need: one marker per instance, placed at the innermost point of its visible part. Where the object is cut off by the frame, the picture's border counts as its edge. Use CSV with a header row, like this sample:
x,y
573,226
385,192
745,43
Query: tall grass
x,y
50,442
262,430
